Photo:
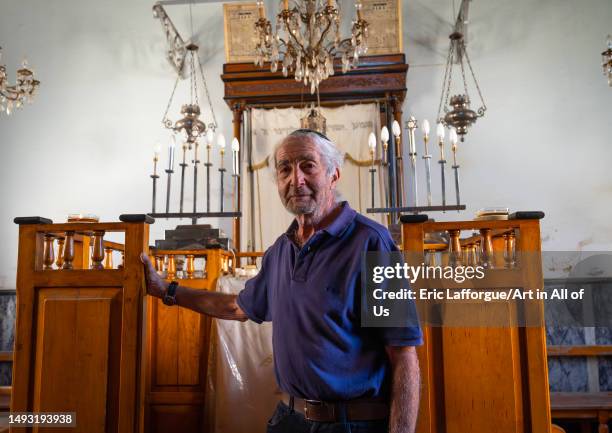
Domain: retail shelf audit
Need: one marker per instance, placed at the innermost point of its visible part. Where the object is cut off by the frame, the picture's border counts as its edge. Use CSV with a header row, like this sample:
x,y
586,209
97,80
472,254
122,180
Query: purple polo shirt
x,y
312,296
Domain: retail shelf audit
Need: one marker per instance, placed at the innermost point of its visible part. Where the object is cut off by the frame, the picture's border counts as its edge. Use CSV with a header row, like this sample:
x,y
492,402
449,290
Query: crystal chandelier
x,y
307,39
460,116
606,58
190,124
23,91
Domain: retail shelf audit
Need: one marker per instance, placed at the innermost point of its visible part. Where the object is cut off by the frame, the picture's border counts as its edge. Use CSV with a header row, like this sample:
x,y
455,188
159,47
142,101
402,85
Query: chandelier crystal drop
x,y
14,96
306,40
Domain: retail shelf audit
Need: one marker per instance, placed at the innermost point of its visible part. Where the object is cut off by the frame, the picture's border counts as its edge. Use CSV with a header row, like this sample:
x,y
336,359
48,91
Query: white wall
x,y
545,141
85,144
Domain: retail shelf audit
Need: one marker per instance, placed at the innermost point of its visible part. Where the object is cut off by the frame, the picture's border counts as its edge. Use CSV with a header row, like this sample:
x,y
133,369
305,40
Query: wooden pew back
x,y
482,379
79,335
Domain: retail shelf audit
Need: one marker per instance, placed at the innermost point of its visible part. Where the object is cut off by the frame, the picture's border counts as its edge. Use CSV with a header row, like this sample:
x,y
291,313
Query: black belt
x,y
362,409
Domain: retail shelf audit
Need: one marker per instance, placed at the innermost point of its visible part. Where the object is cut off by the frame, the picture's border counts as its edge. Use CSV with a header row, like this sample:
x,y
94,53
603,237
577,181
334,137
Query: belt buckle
x,y
330,409
308,403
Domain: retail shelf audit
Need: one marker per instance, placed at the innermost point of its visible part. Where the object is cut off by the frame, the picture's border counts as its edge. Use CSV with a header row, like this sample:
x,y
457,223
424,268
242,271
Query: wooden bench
x,y
583,406
586,406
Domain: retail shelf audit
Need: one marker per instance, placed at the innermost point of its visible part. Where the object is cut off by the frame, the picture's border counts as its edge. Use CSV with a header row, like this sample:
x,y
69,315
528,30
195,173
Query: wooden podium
x,y
79,333
485,379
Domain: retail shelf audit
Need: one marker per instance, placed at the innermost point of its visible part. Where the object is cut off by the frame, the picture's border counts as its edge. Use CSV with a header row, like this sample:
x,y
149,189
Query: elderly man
x,y
337,375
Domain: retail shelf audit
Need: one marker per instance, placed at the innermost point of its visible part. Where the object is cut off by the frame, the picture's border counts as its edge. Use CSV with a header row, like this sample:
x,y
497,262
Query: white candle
x,y
221,143
235,149
440,133
372,146
453,139
425,127
171,147
395,127
384,134
384,137
156,151
210,137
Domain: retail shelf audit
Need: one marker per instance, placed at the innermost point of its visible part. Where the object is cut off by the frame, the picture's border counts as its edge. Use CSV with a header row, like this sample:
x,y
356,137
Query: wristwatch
x,y
169,297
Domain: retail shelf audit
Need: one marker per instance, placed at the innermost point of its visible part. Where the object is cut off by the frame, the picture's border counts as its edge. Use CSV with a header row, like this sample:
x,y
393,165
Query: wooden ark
x,y
485,379
377,78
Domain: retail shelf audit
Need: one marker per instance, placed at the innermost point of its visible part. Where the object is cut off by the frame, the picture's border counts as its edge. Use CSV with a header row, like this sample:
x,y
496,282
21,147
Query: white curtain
x,y
348,127
242,391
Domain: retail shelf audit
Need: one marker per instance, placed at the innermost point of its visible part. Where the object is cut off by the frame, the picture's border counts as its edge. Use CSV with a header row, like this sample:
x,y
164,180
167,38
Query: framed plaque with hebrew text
x,y
239,27
385,26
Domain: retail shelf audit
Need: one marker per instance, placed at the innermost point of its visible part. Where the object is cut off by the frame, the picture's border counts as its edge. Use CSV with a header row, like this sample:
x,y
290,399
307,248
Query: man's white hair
x,y
330,155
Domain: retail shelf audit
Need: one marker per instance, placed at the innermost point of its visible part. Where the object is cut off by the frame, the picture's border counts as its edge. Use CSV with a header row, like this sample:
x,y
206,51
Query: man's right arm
x,y
219,305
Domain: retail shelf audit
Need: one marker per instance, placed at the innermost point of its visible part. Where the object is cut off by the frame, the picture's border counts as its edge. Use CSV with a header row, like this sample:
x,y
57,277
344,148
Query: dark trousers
x,y
285,420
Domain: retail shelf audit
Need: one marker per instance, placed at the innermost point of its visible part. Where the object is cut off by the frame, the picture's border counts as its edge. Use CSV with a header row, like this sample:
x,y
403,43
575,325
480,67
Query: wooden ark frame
x,y
377,79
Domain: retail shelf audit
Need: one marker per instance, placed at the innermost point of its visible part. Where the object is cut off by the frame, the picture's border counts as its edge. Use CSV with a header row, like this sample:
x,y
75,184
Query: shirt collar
x,y
338,225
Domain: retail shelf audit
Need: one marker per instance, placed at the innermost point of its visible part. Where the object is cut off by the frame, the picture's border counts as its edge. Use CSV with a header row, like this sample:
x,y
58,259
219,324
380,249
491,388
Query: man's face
x,y
301,177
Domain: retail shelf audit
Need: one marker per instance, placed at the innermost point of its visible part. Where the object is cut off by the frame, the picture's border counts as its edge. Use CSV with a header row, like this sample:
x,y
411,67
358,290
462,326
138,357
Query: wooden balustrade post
x,y
49,254
190,267
431,258
159,263
171,268
486,254
454,248
69,250
510,249
108,258
97,255
59,262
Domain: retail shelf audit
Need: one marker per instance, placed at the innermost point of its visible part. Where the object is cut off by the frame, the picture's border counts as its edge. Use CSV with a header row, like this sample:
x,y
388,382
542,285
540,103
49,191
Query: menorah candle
x,y
221,143
372,146
453,139
440,133
210,137
156,151
384,137
171,147
235,149
395,128
425,127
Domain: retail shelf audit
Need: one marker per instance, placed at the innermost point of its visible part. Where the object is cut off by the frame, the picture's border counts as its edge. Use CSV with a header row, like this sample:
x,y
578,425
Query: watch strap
x,y
170,295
